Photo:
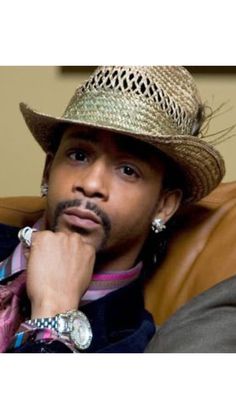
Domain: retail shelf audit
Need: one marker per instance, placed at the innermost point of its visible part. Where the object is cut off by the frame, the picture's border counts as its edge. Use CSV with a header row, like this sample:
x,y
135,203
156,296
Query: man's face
x,y
105,187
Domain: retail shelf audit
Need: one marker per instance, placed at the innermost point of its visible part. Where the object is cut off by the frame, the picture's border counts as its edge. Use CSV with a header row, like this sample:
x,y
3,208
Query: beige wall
x,y
48,89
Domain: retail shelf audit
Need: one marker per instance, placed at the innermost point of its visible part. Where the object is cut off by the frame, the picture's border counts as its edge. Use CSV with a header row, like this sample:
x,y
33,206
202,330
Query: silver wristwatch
x,y
73,324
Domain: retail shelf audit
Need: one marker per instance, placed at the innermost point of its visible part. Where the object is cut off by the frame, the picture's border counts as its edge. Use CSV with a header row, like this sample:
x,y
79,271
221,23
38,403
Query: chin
x,y
87,237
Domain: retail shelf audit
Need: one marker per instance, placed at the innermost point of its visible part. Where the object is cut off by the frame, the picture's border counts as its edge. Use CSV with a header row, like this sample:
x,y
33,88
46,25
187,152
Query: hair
x,y
56,137
174,177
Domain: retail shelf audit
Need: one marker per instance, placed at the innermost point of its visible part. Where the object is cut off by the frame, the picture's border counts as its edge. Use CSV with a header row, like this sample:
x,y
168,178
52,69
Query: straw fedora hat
x,y
158,105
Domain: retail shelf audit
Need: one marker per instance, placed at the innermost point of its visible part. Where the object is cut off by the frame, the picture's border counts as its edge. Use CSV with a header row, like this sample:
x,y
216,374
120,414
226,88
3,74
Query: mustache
x,y
91,206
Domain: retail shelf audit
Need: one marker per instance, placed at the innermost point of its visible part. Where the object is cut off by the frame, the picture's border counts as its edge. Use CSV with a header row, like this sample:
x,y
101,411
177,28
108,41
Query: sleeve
x,y
33,340
206,324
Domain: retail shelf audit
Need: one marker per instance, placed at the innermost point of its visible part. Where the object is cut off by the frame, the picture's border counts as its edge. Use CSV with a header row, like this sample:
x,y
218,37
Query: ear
x,y
47,167
168,204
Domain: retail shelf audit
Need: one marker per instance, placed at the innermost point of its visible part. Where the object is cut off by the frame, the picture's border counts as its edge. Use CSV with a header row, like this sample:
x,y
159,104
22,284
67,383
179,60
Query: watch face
x,y
81,332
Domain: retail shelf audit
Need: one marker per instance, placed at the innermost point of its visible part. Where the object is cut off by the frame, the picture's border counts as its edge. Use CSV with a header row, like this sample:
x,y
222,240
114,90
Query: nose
x,y
94,180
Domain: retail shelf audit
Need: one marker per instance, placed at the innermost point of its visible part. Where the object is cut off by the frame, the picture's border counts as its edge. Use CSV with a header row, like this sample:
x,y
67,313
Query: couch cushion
x,y
21,211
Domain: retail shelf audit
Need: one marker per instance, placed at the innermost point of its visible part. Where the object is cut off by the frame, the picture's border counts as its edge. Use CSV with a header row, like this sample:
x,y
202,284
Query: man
x,y
122,159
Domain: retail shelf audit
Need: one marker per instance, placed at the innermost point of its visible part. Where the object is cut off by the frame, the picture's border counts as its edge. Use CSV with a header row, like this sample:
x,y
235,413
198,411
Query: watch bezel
x,y
74,333
67,321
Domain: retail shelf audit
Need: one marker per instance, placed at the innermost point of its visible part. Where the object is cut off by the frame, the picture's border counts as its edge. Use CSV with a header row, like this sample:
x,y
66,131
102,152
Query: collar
x,y
100,285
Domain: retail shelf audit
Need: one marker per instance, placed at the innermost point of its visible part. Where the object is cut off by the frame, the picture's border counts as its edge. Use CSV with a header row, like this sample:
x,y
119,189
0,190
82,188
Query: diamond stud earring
x,y
158,225
44,189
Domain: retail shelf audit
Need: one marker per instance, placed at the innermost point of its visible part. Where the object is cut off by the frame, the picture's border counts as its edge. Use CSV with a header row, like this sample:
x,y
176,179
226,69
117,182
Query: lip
x,y
81,218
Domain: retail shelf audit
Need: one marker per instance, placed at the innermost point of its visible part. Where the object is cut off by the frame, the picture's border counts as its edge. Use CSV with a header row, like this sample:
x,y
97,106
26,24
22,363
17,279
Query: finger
x,y
26,253
33,236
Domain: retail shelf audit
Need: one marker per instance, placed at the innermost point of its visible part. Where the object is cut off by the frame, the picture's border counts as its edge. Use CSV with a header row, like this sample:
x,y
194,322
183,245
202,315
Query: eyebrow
x,y
125,144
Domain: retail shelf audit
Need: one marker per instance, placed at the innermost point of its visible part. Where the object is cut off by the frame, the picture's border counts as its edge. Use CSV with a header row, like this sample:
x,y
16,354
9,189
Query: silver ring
x,y
25,236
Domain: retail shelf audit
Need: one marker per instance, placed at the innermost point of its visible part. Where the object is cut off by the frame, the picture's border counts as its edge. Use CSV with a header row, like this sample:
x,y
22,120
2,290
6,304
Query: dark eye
x,y
78,155
129,171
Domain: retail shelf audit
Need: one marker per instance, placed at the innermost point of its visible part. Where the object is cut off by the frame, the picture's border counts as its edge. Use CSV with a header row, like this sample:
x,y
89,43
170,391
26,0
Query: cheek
x,y
135,208
58,184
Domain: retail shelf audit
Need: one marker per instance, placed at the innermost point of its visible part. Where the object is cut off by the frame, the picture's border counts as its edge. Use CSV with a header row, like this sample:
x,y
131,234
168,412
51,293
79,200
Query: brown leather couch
x,y
201,252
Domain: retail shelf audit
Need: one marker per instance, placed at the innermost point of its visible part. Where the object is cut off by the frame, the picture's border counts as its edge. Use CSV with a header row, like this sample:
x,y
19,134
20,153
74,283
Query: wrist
x,y
73,326
49,310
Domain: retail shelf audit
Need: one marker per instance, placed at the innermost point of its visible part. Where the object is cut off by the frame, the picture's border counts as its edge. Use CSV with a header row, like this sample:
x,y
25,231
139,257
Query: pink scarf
x,y
10,318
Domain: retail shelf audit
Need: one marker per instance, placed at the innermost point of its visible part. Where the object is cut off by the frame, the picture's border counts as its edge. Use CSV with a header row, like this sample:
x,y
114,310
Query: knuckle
x,y
75,239
90,250
46,235
60,234
40,237
75,236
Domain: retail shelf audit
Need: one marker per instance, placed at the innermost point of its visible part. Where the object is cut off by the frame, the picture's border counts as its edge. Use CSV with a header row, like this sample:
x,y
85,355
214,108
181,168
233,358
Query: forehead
x,y
118,142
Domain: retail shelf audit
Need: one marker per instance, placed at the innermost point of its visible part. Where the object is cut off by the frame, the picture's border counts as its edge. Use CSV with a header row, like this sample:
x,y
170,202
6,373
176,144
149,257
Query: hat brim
x,y
200,163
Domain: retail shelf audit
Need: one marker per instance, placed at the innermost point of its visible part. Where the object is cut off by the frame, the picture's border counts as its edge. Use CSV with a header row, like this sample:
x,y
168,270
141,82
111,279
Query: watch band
x,y
45,322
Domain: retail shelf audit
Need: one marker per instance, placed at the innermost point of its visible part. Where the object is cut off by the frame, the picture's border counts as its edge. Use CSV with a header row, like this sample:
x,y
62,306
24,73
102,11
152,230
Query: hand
x,y
59,271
